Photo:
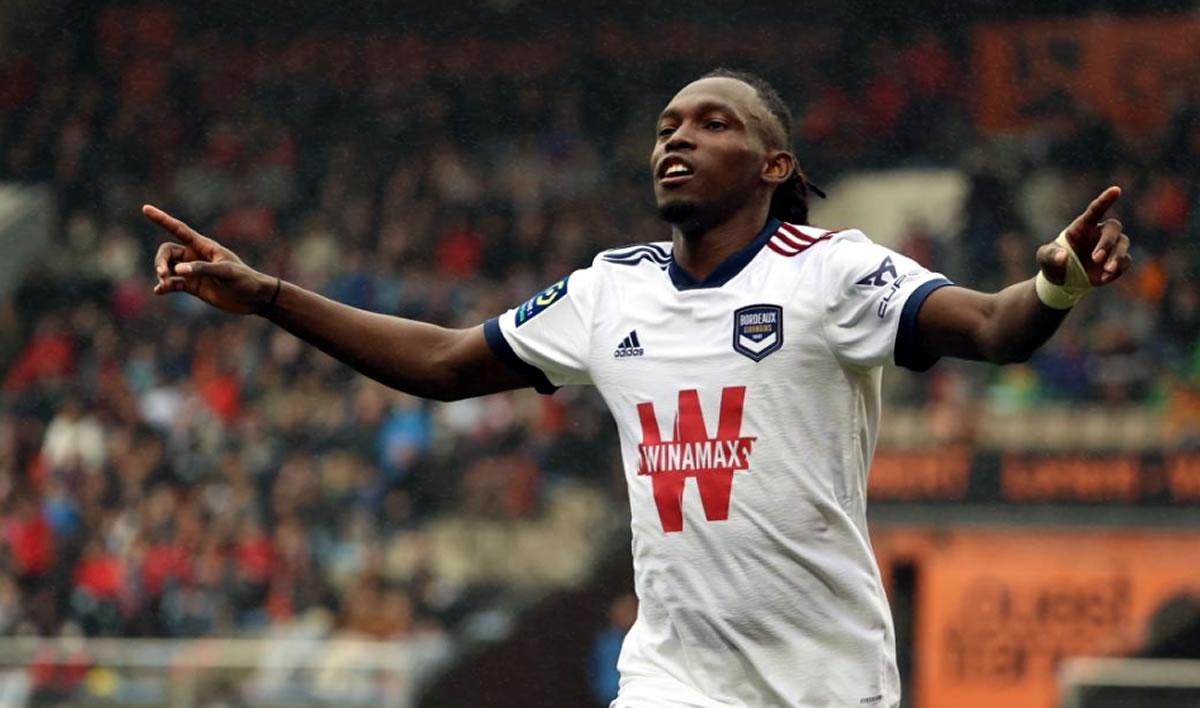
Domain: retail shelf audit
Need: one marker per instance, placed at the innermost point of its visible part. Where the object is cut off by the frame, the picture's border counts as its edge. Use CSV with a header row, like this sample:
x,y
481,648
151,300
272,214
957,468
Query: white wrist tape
x,y
1074,287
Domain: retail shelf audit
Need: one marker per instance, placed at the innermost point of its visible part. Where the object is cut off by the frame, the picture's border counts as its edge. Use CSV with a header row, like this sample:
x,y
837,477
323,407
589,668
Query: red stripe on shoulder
x,y
801,243
795,231
788,228
774,246
790,247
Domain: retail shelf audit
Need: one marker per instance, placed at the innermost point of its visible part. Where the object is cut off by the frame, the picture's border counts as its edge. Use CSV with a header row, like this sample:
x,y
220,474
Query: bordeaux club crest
x,y
758,330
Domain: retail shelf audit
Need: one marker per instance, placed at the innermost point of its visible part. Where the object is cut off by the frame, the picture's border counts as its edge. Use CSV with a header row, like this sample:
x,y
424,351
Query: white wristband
x,y
1074,287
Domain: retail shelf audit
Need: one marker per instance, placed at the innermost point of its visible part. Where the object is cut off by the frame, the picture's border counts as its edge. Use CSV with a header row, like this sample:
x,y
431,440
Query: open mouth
x,y
674,170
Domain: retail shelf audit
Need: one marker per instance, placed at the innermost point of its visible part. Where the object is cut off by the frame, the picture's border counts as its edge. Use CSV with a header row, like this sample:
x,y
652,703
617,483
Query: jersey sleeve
x,y
547,338
873,296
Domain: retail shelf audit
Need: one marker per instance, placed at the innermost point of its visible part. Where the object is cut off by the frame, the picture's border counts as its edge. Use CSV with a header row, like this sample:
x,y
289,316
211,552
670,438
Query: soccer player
x,y
742,363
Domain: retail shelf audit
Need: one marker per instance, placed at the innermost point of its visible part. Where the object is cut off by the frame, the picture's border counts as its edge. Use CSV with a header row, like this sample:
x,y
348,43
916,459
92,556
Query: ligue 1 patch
x,y
541,301
758,330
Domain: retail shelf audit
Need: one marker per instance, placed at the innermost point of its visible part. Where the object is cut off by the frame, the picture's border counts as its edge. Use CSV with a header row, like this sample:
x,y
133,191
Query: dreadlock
x,y
790,201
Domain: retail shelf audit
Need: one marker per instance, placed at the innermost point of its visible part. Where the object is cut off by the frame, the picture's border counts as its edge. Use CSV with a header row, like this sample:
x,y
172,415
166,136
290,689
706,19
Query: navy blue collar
x,y
728,268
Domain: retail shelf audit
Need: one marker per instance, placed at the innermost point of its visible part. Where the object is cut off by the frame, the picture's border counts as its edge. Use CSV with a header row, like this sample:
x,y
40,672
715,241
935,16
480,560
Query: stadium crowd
x,y
166,470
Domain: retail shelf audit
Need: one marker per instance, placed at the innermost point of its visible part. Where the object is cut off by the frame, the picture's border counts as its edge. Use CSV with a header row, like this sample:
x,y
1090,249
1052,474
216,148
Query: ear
x,y
779,167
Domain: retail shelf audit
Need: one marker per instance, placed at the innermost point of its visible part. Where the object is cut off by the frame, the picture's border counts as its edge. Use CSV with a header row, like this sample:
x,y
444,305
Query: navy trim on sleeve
x,y
908,350
500,347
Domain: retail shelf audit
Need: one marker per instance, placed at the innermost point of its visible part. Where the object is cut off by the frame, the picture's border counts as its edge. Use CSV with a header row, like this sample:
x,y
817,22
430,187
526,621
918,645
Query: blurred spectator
x,y
404,436
30,540
49,357
74,441
603,677
165,470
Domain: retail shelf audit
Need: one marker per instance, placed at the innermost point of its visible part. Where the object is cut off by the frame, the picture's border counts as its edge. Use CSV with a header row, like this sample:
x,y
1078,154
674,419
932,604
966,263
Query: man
x,y
744,355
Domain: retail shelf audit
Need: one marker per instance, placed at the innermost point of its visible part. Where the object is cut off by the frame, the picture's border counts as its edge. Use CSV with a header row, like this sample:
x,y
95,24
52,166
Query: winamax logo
x,y
712,461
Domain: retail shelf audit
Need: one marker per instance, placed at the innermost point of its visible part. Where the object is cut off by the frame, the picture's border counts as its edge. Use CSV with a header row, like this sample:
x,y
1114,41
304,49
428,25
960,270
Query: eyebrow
x,y
706,106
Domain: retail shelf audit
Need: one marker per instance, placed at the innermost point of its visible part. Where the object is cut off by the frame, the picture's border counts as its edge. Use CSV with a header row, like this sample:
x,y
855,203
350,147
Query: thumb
x,y
1052,260
215,270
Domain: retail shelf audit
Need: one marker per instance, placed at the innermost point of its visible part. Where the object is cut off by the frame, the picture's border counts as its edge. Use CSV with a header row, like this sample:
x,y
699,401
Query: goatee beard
x,y
678,212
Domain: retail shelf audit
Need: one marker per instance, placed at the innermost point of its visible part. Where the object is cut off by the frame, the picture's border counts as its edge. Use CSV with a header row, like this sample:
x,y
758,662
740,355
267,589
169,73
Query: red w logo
x,y
712,461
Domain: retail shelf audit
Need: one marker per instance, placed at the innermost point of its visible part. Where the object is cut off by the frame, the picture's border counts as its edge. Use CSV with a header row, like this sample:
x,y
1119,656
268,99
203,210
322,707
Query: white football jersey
x,y
748,407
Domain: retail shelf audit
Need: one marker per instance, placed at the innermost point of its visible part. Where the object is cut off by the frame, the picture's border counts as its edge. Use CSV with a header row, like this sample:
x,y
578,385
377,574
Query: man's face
x,y
709,155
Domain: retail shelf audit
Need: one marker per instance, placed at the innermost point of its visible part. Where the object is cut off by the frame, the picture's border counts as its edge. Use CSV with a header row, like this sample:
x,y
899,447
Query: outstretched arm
x,y
1010,325
415,357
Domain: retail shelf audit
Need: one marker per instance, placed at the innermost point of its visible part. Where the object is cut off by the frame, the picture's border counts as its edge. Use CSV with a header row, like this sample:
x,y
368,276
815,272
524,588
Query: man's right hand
x,y
415,357
201,266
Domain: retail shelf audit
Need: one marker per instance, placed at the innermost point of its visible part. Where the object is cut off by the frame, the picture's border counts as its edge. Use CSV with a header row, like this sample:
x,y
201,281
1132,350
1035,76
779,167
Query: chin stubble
x,y
677,212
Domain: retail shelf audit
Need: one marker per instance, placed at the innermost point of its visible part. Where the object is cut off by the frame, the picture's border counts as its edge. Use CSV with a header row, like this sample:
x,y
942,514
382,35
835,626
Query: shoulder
x,y
656,254
792,240
633,261
846,248
615,264
823,248
852,261
837,257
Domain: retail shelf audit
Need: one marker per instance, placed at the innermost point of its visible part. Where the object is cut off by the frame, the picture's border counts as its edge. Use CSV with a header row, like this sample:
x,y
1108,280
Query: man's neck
x,y
700,252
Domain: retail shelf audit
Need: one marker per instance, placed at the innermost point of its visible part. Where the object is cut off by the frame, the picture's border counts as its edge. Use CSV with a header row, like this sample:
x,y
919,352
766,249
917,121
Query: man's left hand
x,y
1097,240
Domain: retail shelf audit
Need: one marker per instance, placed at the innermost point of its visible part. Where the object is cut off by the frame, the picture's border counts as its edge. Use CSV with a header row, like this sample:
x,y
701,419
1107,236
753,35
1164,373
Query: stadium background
x,y
198,510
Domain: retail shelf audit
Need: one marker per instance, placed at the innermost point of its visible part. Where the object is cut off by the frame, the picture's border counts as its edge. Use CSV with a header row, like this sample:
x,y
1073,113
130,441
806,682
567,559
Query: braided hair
x,y
790,201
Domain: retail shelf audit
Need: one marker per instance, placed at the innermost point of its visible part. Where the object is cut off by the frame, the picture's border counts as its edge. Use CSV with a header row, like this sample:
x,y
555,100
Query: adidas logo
x,y
630,346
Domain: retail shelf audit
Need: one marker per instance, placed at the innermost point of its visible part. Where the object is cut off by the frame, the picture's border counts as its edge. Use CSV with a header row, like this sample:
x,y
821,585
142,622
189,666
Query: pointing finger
x,y
181,231
1098,208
